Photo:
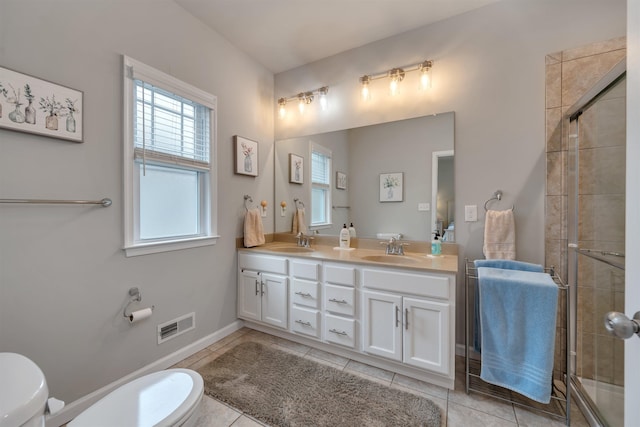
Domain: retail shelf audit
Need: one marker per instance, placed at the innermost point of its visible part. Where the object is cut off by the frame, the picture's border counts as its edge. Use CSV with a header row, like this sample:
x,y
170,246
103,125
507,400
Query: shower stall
x,y
596,238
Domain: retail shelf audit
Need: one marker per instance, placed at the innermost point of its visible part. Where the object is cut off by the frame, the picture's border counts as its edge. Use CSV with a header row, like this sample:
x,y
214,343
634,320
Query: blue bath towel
x,y
496,263
518,324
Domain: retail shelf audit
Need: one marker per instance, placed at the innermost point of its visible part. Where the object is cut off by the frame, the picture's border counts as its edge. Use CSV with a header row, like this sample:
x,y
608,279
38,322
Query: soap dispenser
x,y
345,238
436,245
352,231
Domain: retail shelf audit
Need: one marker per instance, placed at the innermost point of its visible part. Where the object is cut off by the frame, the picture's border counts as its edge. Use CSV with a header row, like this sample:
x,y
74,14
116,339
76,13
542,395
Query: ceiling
x,y
285,34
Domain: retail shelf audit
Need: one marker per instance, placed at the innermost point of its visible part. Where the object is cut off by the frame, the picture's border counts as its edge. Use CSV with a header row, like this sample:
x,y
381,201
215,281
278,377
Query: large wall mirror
x,y
367,162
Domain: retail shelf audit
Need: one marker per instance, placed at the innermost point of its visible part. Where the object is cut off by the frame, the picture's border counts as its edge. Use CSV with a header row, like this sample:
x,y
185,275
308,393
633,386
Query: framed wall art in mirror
x,y
296,169
341,180
391,187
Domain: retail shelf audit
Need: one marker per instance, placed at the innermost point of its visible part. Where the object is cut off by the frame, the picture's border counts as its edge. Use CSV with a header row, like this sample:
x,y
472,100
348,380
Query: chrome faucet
x,y
302,240
394,247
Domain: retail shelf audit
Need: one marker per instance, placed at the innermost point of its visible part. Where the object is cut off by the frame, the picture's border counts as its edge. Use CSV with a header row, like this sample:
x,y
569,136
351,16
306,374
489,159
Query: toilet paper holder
x,y
136,296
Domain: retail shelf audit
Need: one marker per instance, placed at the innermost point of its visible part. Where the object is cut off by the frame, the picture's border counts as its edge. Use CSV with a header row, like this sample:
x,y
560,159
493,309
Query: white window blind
x,y
320,186
169,128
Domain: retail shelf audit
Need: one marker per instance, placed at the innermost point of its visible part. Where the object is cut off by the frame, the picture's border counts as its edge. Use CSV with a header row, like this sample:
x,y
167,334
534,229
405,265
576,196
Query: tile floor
x,y
458,408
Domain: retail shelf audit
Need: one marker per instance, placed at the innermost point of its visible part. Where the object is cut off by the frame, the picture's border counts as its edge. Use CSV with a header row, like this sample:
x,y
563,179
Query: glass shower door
x,y
597,229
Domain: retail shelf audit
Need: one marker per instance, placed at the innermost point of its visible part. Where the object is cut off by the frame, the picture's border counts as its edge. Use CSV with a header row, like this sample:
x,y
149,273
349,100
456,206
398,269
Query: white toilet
x,y
165,398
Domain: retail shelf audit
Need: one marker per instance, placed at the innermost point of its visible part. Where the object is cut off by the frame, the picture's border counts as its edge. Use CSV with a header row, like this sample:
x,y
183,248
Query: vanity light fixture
x,y
304,99
396,75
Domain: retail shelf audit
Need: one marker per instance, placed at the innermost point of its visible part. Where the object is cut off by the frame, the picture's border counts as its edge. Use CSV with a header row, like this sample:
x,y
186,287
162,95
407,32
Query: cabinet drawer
x,y
427,285
339,299
305,293
262,263
305,270
340,275
305,321
339,330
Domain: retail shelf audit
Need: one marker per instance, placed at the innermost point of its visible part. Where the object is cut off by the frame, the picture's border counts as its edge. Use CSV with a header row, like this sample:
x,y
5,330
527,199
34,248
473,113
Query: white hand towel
x,y
499,235
253,229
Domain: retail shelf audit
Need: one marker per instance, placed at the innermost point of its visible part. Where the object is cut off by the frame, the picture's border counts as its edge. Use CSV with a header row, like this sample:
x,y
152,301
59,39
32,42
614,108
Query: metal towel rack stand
x,y
106,202
560,405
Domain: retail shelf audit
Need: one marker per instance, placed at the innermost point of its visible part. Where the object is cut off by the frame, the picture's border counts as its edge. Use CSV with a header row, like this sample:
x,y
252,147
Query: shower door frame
x,y
616,74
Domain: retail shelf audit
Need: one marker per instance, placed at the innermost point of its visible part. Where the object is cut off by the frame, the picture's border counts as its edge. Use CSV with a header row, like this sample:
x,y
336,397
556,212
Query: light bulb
x,y
282,110
301,103
365,92
425,75
396,75
393,87
323,98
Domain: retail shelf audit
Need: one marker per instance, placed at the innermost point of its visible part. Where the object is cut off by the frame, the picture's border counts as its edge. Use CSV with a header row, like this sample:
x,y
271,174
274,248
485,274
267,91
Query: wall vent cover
x,y
176,327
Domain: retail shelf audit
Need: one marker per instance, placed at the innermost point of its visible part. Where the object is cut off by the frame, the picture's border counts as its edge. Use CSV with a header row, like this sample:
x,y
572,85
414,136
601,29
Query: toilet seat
x,y
164,398
23,390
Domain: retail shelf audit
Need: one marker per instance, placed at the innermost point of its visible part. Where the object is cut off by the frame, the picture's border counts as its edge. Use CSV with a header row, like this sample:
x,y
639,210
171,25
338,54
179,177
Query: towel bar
x,y
104,202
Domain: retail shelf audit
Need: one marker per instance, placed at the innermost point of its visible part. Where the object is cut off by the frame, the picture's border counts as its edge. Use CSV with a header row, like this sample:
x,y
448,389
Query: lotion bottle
x,y
345,238
352,231
436,246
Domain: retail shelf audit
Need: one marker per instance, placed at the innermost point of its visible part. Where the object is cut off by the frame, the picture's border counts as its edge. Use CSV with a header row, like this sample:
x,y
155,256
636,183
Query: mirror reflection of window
x,y
320,186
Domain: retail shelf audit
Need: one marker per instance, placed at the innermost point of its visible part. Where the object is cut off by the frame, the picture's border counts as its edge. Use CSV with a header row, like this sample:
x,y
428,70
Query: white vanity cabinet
x,y
305,298
340,304
263,289
408,317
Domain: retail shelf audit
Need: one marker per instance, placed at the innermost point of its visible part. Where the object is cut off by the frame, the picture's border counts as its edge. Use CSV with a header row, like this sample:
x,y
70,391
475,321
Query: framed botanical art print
x,y
246,156
32,105
296,169
391,187
341,180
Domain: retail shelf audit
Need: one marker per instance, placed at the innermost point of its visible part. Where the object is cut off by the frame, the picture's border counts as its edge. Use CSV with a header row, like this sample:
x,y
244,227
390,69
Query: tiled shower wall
x,y
569,74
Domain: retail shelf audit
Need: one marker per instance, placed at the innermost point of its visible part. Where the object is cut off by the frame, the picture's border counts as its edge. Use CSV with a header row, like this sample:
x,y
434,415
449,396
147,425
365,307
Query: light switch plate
x,y
470,213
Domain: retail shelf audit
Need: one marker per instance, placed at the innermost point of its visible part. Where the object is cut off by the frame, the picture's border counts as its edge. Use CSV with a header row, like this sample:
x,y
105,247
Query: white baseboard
x,y
76,407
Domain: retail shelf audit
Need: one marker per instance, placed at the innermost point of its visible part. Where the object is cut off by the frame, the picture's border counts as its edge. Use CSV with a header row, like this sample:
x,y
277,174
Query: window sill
x,y
169,245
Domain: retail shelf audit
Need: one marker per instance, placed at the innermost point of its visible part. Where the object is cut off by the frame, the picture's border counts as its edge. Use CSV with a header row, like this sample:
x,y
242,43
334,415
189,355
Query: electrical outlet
x,y
470,213
423,207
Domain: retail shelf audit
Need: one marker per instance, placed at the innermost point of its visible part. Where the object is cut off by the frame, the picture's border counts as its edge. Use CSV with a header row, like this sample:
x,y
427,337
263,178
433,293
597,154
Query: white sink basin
x,y
390,259
291,249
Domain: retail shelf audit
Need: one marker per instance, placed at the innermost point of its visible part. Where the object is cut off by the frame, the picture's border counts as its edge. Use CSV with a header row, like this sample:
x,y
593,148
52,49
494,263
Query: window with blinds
x,y
170,128
170,188
320,186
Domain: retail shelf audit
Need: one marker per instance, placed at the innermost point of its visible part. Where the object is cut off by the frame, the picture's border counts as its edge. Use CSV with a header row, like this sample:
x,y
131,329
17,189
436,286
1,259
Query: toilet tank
x,y
23,392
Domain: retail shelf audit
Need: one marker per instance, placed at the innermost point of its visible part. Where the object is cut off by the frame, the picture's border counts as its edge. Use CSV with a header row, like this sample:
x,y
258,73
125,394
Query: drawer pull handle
x,y
335,331
304,294
303,323
397,316
338,301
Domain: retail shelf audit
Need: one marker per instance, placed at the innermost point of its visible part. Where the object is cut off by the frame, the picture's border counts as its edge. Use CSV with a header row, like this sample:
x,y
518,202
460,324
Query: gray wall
x,y
489,68
63,274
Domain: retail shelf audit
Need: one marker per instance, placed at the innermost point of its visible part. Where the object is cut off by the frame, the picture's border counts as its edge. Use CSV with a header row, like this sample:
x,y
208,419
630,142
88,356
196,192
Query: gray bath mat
x,y
282,389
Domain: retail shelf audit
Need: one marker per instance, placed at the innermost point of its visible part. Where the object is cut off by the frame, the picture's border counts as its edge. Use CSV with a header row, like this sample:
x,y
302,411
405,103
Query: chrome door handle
x,y
397,316
257,290
337,301
335,331
303,323
406,318
620,326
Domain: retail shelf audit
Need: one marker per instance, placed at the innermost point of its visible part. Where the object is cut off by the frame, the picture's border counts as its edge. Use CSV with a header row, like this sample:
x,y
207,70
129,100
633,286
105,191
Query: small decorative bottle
x,y
30,113
16,115
71,123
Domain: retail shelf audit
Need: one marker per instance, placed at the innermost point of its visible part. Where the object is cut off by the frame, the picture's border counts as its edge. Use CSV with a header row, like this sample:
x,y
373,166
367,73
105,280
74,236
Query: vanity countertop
x,y
371,257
